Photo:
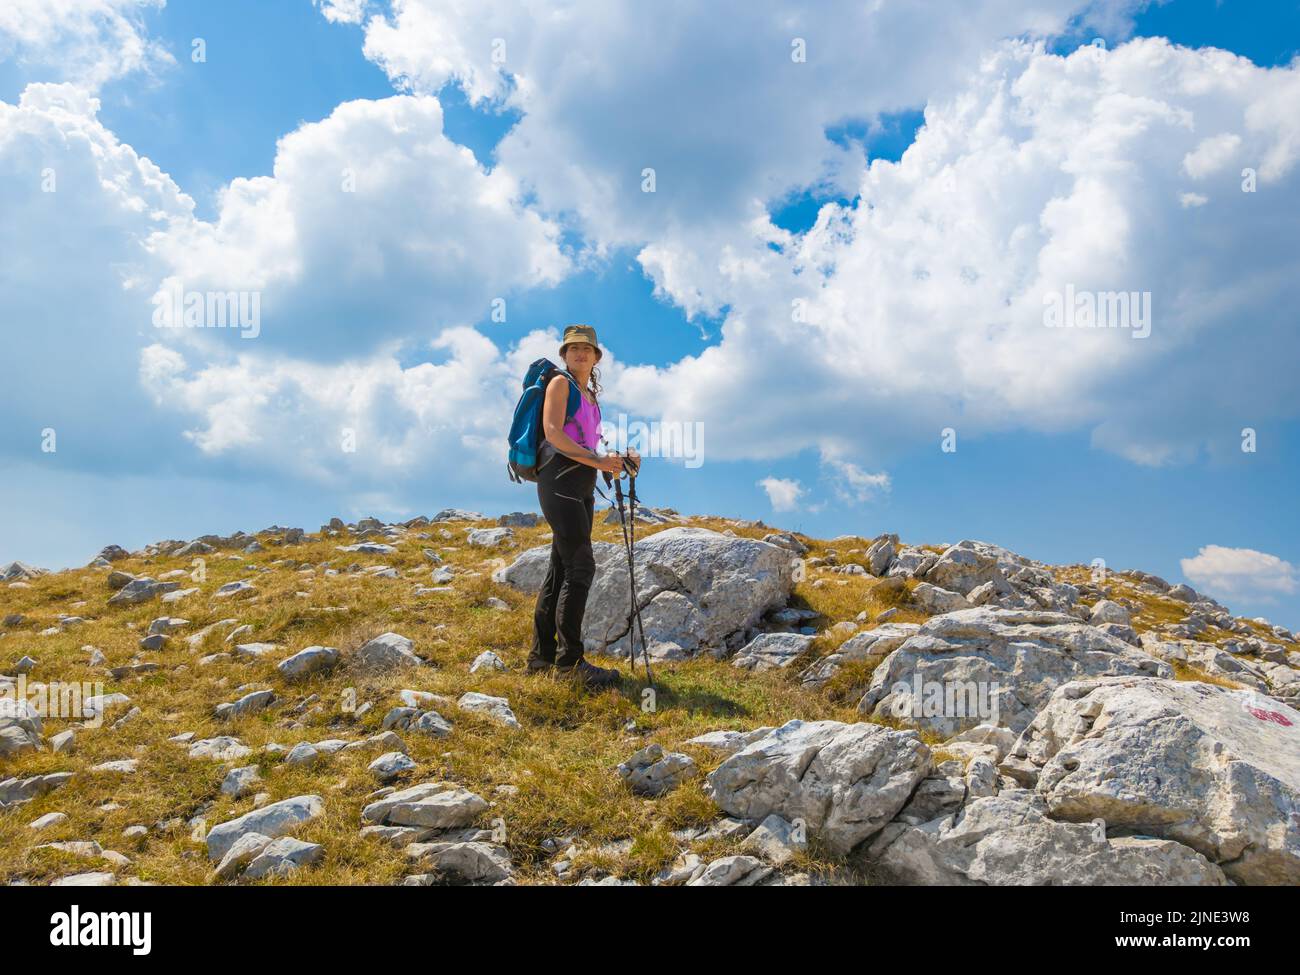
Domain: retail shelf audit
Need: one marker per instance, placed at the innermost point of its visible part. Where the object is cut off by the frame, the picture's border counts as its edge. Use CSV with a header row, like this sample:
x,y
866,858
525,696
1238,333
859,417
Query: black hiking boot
x,y
592,677
536,666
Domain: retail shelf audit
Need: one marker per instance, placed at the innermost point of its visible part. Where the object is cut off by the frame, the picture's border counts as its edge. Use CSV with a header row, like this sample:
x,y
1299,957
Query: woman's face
x,y
579,357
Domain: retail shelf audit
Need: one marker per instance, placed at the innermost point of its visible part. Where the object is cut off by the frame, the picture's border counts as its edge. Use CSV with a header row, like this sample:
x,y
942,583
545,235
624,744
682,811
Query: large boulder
x,y
1213,768
695,587
993,665
844,781
1010,839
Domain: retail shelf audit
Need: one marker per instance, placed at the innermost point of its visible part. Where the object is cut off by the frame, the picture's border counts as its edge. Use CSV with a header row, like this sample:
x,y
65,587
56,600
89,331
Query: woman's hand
x,y
634,461
610,463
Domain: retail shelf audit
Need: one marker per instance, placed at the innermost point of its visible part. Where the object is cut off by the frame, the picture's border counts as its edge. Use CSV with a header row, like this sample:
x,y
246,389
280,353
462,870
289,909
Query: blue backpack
x,y
526,433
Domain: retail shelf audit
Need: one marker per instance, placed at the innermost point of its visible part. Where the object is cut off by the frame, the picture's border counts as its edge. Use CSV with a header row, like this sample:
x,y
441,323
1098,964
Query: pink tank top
x,y
584,426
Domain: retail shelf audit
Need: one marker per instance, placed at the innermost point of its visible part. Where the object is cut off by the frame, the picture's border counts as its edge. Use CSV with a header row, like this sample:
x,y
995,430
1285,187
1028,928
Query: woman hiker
x,y
566,483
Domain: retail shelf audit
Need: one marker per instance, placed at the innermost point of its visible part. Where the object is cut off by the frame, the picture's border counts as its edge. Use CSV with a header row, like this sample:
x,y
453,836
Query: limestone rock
x,y
1009,839
770,651
1215,769
652,771
493,708
695,588
845,782
305,663
993,665
273,820
386,651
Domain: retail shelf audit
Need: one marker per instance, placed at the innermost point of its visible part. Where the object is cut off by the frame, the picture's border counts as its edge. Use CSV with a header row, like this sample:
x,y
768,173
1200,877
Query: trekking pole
x,y
634,615
631,547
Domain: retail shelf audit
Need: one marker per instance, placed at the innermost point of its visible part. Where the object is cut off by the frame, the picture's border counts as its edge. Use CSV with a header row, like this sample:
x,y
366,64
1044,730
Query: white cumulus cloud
x,y
87,42
782,493
1241,573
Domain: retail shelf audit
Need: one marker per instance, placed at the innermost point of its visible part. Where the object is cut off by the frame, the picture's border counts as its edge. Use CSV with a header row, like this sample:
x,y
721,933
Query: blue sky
x,y
1117,449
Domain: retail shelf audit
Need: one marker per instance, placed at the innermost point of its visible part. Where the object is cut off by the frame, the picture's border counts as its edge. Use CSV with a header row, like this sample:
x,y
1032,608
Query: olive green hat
x,y
584,334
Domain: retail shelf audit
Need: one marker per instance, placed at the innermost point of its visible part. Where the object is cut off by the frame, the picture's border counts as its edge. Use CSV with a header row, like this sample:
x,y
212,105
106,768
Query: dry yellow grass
x,y
561,760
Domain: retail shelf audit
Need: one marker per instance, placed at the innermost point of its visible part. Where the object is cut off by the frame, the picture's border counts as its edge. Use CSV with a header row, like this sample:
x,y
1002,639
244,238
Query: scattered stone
x,y
493,708
776,840
20,727
487,660
239,588
241,853
273,820
48,820
468,862
308,662
770,651
283,856
386,651
652,771
732,871
248,704
222,749
489,537
390,766
241,781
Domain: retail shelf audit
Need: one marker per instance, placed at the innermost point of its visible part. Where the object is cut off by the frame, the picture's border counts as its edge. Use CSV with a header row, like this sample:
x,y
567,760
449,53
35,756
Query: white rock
x,y
770,651
223,748
1215,769
487,660
283,856
242,781
20,727
993,666
731,871
1009,839
696,588
1106,611
386,651
729,741
652,771
445,809
472,862
390,766
874,644
272,820
494,708
933,599
776,840
306,662
843,781
241,854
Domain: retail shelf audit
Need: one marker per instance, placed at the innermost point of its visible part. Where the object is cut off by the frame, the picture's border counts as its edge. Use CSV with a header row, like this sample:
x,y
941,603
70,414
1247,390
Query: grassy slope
x,y
562,760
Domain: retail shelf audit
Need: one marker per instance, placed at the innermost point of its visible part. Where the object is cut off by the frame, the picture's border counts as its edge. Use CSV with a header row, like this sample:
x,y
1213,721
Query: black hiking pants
x,y
566,492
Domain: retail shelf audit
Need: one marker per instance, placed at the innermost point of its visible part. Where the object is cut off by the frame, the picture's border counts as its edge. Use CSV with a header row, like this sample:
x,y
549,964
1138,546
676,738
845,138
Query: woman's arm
x,y
557,396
